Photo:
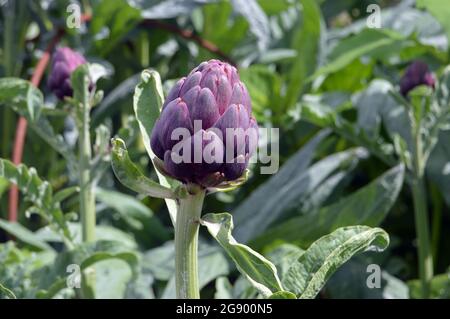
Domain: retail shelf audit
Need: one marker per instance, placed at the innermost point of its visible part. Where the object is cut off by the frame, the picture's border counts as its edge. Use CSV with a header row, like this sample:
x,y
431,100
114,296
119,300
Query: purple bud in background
x,y
416,74
205,104
64,62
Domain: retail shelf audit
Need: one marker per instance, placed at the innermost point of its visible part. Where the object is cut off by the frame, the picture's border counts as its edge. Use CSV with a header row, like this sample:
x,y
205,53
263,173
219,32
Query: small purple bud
x,y
416,74
213,94
64,62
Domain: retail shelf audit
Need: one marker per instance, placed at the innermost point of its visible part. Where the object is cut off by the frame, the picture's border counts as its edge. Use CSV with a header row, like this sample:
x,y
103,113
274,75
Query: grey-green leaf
x,y
22,96
261,273
289,188
147,103
130,176
6,293
283,295
37,191
134,213
24,235
313,268
367,206
306,41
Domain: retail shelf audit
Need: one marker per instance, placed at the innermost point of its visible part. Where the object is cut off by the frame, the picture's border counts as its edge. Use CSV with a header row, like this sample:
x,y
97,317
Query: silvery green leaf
x,y
130,175
147,103
286,190
313,268
37,191
6,293
98,71
261,273
367,206
22,96
24,235
157,9
257,20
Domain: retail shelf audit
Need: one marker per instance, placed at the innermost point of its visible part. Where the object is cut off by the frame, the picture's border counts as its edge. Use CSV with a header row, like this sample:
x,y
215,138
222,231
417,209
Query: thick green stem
x,y
186,244
436,226
421,218
87,194
423,237
87,199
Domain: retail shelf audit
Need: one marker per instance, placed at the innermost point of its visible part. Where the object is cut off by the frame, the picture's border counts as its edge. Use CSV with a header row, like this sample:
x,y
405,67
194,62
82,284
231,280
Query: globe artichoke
x,y
64,62
213,106
416,74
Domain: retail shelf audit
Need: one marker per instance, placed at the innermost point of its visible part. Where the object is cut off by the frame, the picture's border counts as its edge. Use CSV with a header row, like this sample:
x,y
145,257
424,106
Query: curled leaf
x,y
130,176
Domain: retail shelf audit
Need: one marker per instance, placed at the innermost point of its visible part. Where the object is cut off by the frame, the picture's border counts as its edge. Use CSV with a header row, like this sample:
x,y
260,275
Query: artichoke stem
x,y
186,243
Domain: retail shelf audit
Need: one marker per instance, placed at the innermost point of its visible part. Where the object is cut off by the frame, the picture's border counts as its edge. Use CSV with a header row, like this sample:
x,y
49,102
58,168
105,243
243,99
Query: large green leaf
x,y
6,293
147,103
118,17
102,233
253,206
264,87
43,128
112,277
439,10
130,175
23,234
261,273
22,96
286,190
28,101
165,9
257,20
53,278
438,166
323,115
440,287
368,41
112,102
367,206
314,267
221,27
37,191
283,257
306,41
18,268
139,217
350,282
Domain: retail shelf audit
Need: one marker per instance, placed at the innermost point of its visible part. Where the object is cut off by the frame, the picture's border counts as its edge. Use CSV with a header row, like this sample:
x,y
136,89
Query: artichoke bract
x,y
416,74
64,62
206,132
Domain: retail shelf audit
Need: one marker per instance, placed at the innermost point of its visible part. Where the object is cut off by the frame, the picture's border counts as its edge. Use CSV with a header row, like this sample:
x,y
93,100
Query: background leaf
x,y
367,206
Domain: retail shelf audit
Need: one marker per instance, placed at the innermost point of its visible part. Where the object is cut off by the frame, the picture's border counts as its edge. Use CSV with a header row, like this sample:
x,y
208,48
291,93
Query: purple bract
x,y
208,104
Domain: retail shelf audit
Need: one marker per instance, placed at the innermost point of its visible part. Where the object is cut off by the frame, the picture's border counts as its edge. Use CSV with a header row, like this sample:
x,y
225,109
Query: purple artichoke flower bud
x,y
64,62
416,74
218,133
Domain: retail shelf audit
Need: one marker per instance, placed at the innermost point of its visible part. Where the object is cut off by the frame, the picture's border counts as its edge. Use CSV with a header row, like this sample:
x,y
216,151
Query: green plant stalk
x,y
437,202
421,218
87,199
186,244
8,66
87,194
